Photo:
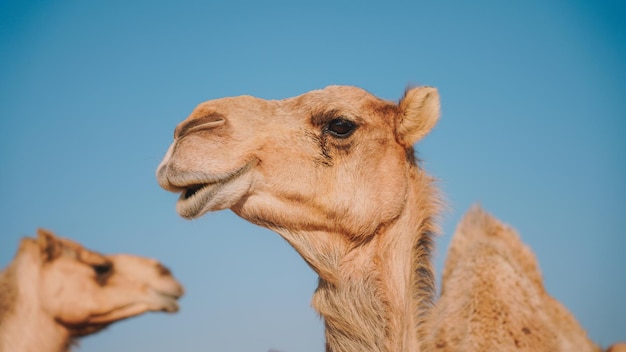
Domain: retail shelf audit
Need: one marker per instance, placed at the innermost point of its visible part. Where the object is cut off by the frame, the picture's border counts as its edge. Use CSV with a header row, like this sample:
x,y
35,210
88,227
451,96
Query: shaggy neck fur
x,y
24,327
374,295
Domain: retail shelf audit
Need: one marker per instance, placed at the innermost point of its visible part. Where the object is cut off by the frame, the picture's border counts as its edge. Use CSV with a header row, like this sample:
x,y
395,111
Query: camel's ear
x,y
49,246
419,113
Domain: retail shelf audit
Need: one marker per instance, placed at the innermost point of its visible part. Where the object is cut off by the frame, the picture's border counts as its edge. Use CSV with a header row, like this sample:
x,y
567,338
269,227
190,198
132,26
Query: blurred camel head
x,y
55,290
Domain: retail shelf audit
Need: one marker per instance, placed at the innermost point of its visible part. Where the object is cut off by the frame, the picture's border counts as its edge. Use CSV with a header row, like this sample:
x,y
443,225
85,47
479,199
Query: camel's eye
x,y
103,272
340,127
102,269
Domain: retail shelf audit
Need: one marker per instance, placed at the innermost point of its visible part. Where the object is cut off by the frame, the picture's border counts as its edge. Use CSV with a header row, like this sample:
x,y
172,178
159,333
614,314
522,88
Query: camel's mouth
x,y
169,302
193,189
154,301
215,193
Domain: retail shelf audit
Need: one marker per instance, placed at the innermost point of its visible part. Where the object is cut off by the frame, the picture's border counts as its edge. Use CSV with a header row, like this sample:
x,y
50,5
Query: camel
x,y
493,298
618,347
333,172
55,291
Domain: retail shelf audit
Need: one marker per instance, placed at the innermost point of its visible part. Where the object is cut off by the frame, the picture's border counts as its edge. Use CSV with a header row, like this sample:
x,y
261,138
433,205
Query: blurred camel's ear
x,y
49,246
419,112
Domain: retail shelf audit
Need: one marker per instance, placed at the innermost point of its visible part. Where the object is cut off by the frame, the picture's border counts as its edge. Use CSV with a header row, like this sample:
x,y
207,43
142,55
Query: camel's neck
x,y
374,297
24,327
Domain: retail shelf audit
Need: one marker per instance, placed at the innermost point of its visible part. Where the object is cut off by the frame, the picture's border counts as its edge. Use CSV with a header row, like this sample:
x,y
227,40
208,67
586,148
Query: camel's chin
x,y
200,199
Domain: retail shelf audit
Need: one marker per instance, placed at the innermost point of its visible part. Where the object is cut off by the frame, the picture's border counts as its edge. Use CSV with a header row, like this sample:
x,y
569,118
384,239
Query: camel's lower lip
x,y
216,194
192,200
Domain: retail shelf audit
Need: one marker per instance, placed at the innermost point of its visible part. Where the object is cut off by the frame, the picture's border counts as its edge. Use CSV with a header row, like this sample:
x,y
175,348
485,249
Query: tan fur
x,y
421,113
618,347
361,213
357,209
493,298
55,290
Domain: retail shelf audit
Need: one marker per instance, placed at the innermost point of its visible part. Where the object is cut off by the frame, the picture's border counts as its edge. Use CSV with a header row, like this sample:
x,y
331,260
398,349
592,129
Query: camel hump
x,y
478,228
493,297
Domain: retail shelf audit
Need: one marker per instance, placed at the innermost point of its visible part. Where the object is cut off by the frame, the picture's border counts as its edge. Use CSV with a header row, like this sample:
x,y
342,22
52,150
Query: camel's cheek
x,y
66,294
360,189
376,194
368,209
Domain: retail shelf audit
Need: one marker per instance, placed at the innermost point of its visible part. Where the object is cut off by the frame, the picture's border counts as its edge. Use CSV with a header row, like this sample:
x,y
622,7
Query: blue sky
x,y
532,127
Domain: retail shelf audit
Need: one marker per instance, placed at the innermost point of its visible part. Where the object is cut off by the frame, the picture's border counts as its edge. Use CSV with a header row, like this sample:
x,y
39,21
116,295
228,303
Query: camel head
x,y
85,291
335,160
333,172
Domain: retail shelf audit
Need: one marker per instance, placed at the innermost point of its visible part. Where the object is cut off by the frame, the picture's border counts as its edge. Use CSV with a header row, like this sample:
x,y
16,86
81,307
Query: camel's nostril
x,y
201,123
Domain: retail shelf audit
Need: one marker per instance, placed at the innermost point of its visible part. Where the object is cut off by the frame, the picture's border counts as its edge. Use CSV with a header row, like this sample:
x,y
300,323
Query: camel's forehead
x,y
232,104
69,243
75,250
341,92
334,95
329,97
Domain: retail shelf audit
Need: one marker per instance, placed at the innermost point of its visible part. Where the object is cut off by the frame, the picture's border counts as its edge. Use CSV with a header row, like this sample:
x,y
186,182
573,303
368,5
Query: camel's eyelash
x,y
321,118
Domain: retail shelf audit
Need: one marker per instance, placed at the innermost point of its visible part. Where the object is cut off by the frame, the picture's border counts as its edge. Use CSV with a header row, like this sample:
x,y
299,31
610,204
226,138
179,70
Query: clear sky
x,y
532,127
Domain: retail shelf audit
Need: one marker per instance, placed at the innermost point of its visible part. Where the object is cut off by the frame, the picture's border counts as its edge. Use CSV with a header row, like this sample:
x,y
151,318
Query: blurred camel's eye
x,y
340,127
102,271
102,268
